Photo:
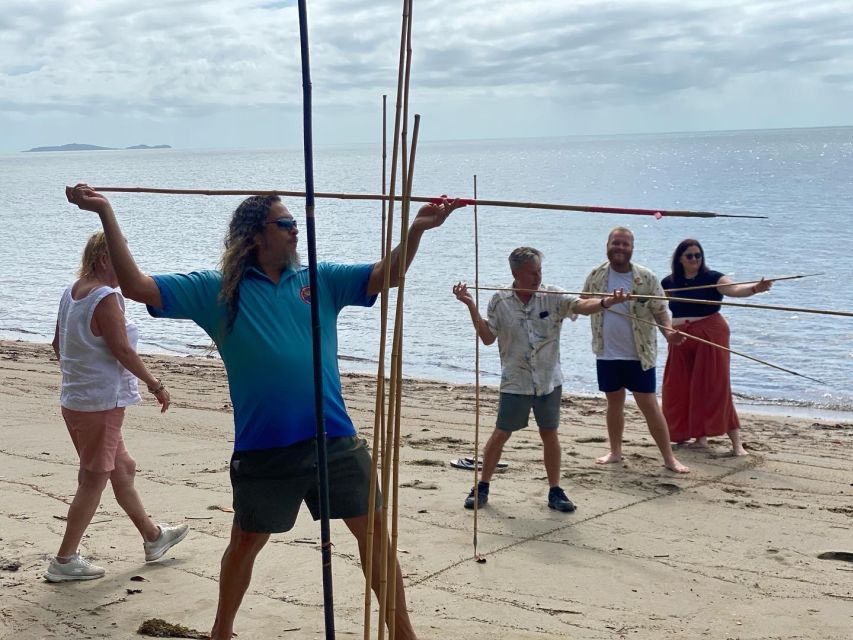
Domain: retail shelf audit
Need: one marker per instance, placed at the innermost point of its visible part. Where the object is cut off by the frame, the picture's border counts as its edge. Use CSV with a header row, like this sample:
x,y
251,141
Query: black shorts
x,y
614,375
270,484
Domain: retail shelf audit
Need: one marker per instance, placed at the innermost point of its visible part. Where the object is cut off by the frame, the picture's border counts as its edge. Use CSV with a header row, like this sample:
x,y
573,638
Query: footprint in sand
x,y
843,556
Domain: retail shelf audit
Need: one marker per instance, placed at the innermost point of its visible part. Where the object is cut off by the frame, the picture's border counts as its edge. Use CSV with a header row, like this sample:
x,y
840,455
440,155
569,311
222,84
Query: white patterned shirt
x,y
645,282
529,339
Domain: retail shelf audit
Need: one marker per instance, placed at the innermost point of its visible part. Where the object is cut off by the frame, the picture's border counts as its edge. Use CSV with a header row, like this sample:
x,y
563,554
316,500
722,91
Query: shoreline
x,y
350,366
751,548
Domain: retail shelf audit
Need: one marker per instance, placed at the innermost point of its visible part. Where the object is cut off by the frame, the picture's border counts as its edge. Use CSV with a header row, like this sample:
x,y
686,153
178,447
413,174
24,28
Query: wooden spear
x,y
828,312
718,346
657,213
731,284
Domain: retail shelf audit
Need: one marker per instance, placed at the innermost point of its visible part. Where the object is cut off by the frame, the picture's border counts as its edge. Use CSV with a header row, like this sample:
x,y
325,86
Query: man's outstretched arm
x,y
134,284
460,290
429,216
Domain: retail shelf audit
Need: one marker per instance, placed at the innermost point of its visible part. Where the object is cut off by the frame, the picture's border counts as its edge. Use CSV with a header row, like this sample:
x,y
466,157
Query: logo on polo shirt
x,y
305,294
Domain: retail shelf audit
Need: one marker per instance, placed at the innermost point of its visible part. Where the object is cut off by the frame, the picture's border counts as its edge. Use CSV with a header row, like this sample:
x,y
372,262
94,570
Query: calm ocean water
x,y
801,179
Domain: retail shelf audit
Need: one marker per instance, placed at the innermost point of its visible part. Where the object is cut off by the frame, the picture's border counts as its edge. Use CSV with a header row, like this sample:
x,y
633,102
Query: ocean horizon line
x,y
425,140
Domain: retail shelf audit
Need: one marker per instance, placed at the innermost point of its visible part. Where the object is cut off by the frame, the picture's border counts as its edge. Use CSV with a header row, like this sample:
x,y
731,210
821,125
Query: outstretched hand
x,y
87,199
433,214
460,290
762,285
617,296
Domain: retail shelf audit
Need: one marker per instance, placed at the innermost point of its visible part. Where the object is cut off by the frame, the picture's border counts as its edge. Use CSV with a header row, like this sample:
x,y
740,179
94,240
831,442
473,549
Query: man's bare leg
x,y
234,578
551,455
615,426
402,625
648,404
492,453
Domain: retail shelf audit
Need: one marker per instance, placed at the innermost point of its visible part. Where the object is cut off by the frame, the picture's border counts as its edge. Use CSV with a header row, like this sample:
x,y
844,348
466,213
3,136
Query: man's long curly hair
x,y
240,250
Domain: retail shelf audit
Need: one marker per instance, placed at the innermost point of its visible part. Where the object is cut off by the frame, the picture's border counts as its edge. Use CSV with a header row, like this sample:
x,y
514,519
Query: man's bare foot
x,y
739,451
675,465
699,443
610,458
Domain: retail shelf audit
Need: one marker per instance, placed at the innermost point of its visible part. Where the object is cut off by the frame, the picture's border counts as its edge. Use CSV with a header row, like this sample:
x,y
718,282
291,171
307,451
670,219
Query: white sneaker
x,y
77,568
169,537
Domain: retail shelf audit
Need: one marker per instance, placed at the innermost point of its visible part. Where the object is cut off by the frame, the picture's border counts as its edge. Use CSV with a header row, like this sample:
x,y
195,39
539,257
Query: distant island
x,y
91,147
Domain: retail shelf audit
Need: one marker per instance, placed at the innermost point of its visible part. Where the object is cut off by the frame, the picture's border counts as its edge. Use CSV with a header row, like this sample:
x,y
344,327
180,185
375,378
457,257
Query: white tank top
x,y
92,378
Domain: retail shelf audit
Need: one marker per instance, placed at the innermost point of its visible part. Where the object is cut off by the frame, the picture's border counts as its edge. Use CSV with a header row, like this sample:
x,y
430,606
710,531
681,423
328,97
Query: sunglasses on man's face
x,y
284,223
693,256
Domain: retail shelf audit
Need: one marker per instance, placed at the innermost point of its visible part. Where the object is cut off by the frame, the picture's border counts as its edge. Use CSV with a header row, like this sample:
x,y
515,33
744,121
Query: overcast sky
x,y
225,73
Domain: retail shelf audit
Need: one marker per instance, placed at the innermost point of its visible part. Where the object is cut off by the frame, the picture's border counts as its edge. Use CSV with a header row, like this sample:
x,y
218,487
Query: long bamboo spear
x,y
732,284
718,346
322,464
657,213
827,312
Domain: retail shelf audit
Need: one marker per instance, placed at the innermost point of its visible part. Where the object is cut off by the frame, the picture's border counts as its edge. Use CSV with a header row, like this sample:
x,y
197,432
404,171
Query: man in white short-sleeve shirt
x,y
526,321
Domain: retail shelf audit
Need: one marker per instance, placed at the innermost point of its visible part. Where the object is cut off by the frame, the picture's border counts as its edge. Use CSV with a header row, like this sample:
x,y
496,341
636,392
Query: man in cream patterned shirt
x,y
625,345
526,322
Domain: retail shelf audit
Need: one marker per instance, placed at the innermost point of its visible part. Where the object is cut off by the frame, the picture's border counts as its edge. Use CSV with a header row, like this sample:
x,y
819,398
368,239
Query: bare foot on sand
x,y
739,451
675,465
610,458
699,443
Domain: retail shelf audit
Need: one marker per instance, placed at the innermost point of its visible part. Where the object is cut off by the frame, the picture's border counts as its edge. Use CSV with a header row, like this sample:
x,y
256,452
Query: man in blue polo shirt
x,y
257,310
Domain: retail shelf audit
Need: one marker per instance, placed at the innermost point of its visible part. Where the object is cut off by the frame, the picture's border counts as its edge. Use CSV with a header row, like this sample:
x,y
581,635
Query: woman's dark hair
x,y
677,269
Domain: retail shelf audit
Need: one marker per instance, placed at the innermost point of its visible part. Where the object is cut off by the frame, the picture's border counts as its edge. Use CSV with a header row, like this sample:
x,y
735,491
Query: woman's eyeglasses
x,y
692,256
284,223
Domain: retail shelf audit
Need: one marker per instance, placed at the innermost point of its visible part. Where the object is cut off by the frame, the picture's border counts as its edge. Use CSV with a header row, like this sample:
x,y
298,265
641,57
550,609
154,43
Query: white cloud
x,y
174,66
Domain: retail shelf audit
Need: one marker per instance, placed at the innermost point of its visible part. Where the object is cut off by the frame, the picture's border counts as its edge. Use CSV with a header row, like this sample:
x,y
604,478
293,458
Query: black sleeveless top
x,y
687,309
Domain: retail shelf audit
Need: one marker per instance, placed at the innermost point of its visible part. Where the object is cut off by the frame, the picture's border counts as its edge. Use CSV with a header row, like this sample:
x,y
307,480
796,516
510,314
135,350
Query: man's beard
x,y
293,261
628,255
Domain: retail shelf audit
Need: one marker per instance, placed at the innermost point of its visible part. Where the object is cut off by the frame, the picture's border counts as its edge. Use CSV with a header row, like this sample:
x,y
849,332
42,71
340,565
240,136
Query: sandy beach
x,y
729,551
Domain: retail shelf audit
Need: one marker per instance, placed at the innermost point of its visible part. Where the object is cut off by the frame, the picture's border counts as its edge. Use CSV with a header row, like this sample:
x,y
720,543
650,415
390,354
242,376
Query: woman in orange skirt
x,y
697,395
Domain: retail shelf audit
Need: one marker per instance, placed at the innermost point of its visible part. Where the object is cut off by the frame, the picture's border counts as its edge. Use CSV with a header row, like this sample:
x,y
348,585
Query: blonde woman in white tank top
x,y
96,348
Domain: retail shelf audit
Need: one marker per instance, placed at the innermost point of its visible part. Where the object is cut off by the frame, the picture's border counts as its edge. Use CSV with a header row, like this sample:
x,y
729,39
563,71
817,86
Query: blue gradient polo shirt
x,y
268,354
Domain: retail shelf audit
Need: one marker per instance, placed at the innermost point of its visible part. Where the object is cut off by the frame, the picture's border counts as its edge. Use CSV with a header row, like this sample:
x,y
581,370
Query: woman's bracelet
x,y
601,301
155,390
752,288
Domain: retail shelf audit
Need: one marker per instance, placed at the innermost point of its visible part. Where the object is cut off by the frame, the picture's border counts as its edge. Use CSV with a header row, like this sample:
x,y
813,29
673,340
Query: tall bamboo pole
x,y
386,476
476,374
407,172
384,164
377,450
322,464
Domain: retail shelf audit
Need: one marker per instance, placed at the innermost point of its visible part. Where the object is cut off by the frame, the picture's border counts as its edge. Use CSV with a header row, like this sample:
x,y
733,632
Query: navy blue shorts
x,y
614,375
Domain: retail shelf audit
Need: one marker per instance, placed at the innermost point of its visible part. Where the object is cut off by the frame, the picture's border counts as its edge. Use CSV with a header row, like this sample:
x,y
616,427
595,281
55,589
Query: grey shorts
x,y
271,484
514,410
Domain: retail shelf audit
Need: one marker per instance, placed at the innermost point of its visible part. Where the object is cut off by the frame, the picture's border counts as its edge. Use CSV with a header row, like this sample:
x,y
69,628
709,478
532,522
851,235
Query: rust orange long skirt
x,y
697,391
